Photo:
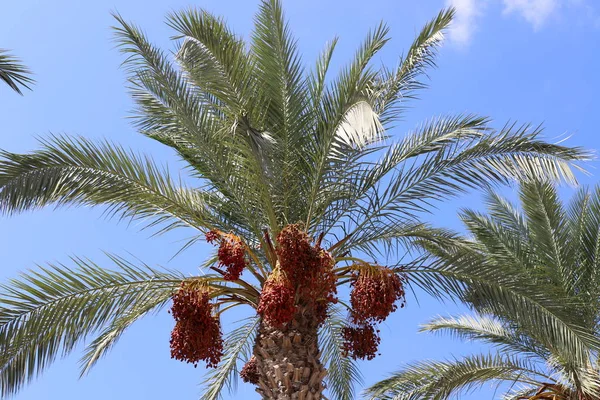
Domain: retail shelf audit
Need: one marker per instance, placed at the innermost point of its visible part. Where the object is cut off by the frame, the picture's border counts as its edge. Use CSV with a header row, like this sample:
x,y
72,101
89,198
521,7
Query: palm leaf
x,y
238,346
502,292
488,329
392,88
547,225
479,161
437,380
78,171
342,371
146,302
214,59
14,73
46,313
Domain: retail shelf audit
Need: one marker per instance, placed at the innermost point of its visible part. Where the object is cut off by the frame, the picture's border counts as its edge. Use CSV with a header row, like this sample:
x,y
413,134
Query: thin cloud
x,y
536,12
463,26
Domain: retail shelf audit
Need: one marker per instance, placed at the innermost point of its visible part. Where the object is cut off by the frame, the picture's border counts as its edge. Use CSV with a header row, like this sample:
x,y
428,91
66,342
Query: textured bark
x,y
288,360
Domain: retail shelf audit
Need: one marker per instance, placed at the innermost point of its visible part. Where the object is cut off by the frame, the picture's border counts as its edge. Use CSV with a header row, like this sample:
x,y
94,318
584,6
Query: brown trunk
x,y
288,360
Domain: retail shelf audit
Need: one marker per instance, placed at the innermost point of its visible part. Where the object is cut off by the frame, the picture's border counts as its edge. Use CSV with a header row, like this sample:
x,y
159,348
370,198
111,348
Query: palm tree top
x,y
268,143
544,245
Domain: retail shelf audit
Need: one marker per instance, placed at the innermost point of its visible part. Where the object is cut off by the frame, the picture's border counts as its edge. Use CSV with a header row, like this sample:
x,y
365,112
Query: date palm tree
x,y
281,157
13,73
544,245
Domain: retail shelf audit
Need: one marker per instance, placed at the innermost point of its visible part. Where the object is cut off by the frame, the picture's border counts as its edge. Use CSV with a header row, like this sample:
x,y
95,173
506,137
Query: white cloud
x,y
464,23
535,12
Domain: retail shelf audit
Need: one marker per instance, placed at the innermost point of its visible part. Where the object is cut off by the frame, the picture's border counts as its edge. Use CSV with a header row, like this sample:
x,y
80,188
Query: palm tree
x,y
284,179
13,73
548,246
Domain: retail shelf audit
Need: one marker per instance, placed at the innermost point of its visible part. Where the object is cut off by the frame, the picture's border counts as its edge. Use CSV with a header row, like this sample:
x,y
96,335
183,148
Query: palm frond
x,y
392,88
513,154
78,171
169,109
488,329
215,60
353,187
146,302
175,112
505,292
317,79
507,215
46,313
14,73
548,227
238,347
342,371
583,251
438,380
280,75
392,239
500,244
331,148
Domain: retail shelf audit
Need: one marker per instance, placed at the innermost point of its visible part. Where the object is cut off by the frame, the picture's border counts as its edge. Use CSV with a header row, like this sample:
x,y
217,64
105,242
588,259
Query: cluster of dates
x,y
197,335
303,277
231,253
249,372
375,293
303,281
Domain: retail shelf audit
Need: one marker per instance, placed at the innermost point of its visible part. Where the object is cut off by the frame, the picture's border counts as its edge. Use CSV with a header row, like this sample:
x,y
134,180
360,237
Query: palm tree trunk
x,y
288,360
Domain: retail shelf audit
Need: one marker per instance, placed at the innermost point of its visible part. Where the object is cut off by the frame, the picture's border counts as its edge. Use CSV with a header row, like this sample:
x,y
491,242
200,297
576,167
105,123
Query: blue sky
x,y
525,60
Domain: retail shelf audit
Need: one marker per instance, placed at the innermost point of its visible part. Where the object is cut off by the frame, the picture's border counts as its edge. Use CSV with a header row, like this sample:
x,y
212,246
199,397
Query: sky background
x,y
514,60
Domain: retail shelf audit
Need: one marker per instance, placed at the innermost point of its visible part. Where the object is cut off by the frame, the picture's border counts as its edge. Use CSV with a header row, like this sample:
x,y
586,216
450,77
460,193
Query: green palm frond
x,y
45,314
78,171
394,87
146,302
526,302
171,112
14,73
342,371
584,230
438,380
506,291
392,239
507,215
499,242
215,60
280,76
329,149
547,225
362,182
512,154
317,78
238,347
488,329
